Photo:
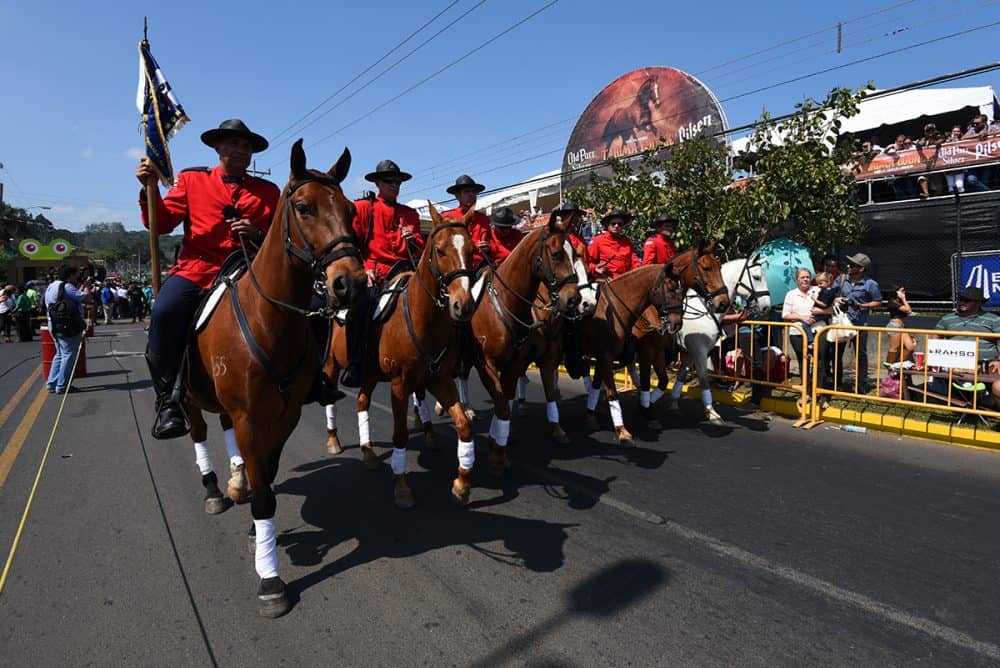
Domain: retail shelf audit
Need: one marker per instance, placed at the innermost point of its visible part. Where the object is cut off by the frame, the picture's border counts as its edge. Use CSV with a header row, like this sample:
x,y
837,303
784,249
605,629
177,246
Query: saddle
x,y
232,269
384,299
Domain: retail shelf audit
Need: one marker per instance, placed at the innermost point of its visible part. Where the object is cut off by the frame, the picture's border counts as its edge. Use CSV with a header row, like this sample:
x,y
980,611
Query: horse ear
x,y
435,216
710,248
298,161
343,165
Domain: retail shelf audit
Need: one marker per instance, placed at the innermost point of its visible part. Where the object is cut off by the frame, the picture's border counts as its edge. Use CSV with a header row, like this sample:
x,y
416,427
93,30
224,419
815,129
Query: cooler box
x,y
49,351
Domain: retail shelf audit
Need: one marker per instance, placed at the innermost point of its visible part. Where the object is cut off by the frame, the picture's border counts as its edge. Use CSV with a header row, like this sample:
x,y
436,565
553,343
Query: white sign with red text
x,y
951,354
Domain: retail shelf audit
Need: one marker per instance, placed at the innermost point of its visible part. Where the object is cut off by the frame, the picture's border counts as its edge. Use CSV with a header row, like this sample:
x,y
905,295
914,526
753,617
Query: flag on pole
x,y
162,114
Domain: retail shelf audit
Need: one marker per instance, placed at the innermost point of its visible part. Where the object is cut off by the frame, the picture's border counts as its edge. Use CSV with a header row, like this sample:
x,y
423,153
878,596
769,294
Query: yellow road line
x,y
16,399
16,442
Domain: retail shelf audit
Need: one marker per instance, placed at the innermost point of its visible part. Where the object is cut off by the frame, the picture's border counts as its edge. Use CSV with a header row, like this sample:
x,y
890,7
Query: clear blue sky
x,y
68,123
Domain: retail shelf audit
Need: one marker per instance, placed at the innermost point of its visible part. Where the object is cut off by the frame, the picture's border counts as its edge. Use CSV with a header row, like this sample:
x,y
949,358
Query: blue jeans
x,y
63,362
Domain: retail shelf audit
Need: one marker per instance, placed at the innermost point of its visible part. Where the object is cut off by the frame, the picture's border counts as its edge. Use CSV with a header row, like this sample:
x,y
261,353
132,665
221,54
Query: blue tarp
x,y
782,257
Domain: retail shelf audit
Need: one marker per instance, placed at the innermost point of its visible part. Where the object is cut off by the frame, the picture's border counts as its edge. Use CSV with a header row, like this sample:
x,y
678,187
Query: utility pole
x,y
253,170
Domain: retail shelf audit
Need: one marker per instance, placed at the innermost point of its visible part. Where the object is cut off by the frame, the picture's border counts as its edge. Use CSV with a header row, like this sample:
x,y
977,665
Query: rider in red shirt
x,y
385,229
220,208
466,190
501,238
660,248
612,253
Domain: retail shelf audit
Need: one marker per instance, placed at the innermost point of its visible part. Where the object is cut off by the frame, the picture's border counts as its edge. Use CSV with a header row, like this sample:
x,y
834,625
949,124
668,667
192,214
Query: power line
x,y
437,72
383,72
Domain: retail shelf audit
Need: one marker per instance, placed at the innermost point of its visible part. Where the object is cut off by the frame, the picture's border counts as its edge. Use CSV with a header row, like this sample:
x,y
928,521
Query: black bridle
x,y
699,285
440,298
746,282
545,274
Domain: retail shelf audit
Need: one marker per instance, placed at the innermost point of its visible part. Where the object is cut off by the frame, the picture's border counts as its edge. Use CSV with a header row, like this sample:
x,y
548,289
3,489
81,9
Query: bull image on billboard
x,y
633,113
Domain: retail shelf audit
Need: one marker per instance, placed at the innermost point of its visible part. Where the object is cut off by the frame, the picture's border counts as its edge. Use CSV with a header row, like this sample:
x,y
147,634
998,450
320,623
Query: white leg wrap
x,y
655,395
398,461
466,454
331,416
266,555
423,411
500,431
675,391
463,391
363,434
552,411
588,384
416,401
202,458
592,396
522,384
644,398
633,373
616,413
706,398
510,405
233,450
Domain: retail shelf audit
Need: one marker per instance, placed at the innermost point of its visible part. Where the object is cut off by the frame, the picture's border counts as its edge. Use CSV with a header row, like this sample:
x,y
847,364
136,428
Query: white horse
x,y
702,327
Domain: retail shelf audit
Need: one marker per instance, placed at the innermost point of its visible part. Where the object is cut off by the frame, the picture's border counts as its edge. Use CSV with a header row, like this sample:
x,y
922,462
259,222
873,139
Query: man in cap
x,y
466,190
659,248
220,207
858,294
389,233
612,254
969,316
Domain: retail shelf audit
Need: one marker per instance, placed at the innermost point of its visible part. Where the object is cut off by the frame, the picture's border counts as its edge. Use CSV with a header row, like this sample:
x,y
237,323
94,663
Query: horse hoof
x,y
372,462
559,436
333,446
438,409
460,492
215,505
272,601
470,414
714,418
417,422
591,423
237,486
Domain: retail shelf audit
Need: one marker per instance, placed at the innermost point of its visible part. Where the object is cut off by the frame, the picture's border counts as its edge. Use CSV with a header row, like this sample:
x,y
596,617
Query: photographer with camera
x,y
220,208
858,294
62,298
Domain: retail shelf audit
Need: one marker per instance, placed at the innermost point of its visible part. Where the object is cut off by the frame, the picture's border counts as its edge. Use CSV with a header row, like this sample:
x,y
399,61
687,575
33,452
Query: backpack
x,y
65,315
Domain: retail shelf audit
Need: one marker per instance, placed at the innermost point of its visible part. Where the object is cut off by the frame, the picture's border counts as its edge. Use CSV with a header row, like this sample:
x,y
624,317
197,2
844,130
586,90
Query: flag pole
x,y
154,236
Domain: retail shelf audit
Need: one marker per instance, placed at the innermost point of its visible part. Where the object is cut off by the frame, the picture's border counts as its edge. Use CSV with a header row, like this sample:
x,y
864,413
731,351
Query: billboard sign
x,y
633,113
968,152
951,354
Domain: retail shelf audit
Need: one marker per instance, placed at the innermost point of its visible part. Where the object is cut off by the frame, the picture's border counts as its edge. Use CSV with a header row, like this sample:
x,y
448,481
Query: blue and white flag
x,y
162,114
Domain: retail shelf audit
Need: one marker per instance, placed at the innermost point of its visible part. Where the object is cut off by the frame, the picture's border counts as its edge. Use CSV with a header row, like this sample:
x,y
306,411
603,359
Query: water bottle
x,y
855,428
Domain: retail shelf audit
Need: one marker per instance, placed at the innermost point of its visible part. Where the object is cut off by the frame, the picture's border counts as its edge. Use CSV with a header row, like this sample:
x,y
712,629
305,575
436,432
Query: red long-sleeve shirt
x,y
197,201
384,244
479,230
617,254
658,250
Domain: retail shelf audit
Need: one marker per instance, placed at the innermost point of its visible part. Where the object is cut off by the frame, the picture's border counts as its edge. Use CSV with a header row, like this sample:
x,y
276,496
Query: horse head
x,y
554,266
699,269
318,230
448,256
649,91
588,295
667,296
746,279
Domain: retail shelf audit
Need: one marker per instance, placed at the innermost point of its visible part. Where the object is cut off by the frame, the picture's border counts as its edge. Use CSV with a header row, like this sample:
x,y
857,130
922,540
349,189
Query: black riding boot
x,y
170,421
358,324
323,391
576,366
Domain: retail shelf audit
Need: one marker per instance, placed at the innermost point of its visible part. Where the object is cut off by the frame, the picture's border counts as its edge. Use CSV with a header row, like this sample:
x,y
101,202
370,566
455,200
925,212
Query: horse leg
x,y
214,502
401,492
520,395
422,419
593,388
272,600
549,372
660,366
462,383
500,425
237,487
371,460
644,356
673,407
333,445
701,366
607,375
446,392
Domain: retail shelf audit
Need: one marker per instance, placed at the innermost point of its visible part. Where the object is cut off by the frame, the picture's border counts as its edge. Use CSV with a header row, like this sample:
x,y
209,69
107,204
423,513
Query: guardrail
x,y
958,387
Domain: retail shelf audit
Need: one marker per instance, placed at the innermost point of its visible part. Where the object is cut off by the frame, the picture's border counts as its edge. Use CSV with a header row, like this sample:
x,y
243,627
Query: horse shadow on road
x,y
344,502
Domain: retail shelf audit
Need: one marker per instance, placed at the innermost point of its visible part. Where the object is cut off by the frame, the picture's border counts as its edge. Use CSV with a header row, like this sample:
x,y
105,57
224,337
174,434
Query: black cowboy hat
x,y
661,219
617,213
463,182
233,127
503,217
972,294
387,168
566,207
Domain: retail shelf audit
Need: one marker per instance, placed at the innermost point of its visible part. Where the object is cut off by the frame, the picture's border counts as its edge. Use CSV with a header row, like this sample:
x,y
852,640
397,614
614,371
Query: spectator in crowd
x,y
135,303
994,126
975,178
7,307
108,301
969,316
902,143
23,310
64,359
830,265
955,180
902,186
932,139
977,127
798,308
36,299
858,294
902,345
823,300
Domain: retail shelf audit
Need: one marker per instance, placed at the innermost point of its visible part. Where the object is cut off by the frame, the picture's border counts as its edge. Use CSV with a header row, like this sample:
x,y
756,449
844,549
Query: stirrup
x,y
171,421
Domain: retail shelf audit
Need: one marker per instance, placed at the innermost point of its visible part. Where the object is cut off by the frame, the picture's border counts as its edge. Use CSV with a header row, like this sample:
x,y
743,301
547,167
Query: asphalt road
x,y
756,545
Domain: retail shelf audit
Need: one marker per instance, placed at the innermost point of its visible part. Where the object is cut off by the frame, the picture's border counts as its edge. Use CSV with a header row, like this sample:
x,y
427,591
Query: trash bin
x,y
49,351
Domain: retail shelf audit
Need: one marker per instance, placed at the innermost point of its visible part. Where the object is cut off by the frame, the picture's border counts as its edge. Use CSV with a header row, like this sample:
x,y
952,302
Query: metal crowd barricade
x,y
772,333
961,394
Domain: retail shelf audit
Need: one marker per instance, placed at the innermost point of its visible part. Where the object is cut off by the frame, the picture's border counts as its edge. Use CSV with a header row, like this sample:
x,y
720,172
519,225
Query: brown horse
x,y
504,321
619,305
413,349
261,377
